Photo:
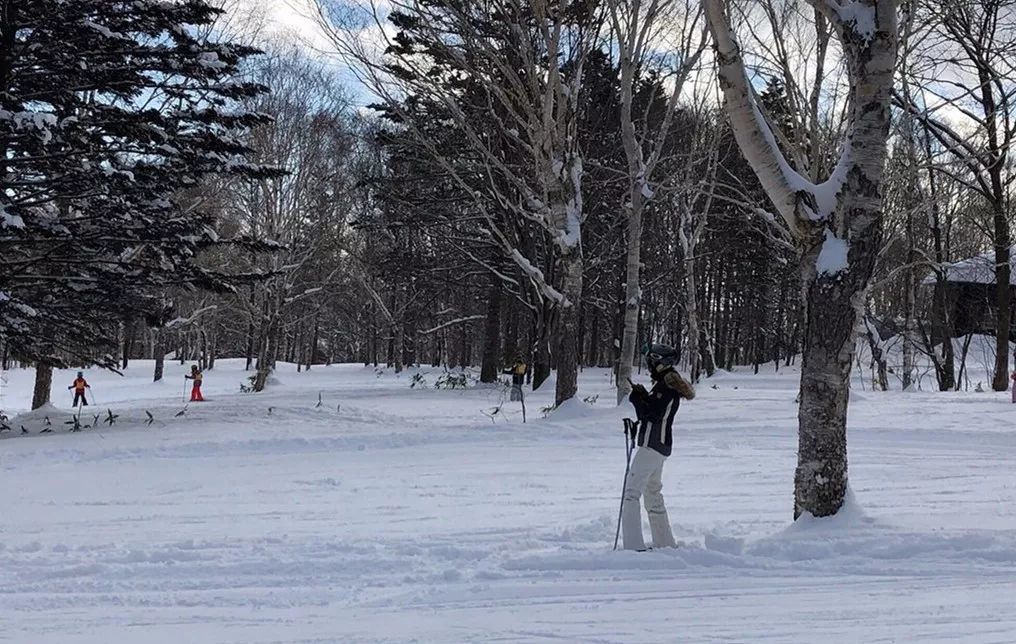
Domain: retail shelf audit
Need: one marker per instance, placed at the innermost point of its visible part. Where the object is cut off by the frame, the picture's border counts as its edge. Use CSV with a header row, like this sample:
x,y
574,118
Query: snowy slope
x,y
407,515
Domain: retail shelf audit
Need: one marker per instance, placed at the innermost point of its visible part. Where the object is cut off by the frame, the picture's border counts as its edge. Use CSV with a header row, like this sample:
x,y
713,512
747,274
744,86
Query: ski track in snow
x,y
407,515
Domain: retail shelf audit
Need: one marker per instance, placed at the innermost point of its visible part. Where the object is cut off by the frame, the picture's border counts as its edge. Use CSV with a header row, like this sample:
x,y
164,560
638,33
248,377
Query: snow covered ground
x,y
392,513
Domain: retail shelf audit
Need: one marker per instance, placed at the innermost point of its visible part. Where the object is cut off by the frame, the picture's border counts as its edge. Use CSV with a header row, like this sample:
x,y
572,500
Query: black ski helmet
x,y
661,355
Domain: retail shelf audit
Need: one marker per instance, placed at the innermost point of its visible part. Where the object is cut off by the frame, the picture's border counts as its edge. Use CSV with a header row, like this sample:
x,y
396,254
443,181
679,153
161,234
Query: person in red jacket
x,y
79,386
196,376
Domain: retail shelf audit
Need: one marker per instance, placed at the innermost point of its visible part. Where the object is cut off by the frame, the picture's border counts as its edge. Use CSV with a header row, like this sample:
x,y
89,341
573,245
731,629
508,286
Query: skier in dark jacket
x,y
518,374
655,410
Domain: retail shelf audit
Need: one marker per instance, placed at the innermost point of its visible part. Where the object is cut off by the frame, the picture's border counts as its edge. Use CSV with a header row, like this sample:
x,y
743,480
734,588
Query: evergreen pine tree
x,y
109,110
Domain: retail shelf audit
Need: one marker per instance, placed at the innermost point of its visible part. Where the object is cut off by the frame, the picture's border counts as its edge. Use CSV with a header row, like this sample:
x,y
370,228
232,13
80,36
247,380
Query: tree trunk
x,y
203,359
249,351
267,355
541,349
511,339
632,297
213,349
398,346
464,336
490,361
43,385
909,306
820,482
942,329
1003,300
1001,237
312,356
567,357
593,353
128,342
692,350
706,352
160,354
880,372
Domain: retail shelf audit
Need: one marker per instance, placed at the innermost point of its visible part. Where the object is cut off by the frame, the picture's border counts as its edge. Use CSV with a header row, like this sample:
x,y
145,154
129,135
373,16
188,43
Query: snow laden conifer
x,y
109,112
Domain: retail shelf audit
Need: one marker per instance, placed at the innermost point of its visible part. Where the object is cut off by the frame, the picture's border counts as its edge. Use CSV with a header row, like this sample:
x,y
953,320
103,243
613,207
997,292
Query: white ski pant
x,y
645,477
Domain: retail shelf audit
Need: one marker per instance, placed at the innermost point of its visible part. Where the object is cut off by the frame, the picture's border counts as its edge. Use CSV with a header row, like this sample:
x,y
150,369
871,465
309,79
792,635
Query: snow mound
x,y
850,515
719,374
724,544
38,416
573,409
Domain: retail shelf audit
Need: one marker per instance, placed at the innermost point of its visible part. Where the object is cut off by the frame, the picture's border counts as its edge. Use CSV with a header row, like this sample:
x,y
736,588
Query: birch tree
x,y
521,63
640,27
836,223
693,196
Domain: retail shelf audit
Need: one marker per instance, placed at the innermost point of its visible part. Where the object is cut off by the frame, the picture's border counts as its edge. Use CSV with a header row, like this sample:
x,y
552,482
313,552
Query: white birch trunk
x,y
632,302
691,353
690,230
566,209
633,23
910,323
567,345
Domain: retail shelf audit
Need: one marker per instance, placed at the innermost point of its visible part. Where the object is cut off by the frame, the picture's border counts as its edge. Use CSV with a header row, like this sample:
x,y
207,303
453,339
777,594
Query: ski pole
x,y
629,448
183,398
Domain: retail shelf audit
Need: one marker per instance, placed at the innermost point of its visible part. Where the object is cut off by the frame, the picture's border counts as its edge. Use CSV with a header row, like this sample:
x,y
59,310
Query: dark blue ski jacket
x,y
656,409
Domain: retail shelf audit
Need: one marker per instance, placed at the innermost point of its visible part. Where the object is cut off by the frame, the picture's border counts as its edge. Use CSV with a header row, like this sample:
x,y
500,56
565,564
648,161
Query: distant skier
x,y
1013,378
518,374
197,377
79,387
655,410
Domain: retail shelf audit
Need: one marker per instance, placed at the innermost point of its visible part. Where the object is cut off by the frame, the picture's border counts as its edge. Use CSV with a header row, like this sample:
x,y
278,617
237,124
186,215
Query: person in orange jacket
x,y
196,376
79,386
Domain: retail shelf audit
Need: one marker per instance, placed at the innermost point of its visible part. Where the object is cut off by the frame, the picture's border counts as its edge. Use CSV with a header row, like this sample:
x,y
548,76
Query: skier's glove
x,y
638,391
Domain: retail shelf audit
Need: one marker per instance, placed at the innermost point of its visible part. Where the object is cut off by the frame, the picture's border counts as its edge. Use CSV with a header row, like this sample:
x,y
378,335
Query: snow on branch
x,y
797,199
305,293
194,317
751,129
538,277
832,258
457,321
857,15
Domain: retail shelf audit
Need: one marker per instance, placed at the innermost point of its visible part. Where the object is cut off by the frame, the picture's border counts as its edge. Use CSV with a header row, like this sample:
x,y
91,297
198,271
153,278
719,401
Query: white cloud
x,y
292,21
